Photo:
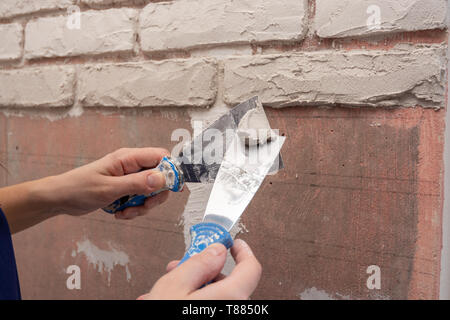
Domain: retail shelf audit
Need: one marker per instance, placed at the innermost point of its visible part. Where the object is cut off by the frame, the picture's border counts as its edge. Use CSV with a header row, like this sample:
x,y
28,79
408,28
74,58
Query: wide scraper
x,y
241,173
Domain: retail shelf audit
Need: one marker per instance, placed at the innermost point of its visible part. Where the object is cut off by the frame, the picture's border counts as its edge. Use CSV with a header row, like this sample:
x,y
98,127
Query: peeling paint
x,y
44,113
104,260
316,294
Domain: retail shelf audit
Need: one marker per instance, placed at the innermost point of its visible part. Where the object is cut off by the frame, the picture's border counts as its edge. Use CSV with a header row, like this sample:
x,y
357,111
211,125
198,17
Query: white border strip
x,y
444,293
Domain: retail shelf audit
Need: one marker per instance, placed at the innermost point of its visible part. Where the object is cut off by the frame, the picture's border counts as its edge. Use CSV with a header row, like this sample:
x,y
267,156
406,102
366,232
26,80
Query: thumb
x,y
200,269
143,182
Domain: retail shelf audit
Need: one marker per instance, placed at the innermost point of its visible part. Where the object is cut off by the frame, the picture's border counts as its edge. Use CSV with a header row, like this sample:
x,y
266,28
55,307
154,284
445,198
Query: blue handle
x,y
205,234
174,182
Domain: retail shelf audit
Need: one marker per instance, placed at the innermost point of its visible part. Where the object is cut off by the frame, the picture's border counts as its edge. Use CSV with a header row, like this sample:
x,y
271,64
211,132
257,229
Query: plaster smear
x,y
100,32
104,260
398,77
316,294
190,24
254,128
169,83
48,87
338,19
51,115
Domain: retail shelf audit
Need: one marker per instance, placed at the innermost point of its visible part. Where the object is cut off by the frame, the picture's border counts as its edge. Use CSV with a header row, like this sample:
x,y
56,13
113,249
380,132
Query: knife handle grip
x,y
174,182
205,234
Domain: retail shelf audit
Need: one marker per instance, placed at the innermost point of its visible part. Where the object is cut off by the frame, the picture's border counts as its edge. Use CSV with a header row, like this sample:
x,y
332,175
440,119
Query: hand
x,y
183,282
87,188
101,182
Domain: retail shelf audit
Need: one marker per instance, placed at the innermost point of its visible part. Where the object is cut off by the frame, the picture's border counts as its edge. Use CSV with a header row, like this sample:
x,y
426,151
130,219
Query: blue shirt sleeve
x,y
9,279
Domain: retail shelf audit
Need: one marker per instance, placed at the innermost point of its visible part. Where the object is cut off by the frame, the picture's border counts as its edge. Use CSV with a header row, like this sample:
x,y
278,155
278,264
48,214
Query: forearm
x,y
87,188
29,203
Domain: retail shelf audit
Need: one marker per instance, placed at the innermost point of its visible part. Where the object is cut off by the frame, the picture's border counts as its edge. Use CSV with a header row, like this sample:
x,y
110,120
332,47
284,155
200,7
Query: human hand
x,y
87,188
183,282
101,182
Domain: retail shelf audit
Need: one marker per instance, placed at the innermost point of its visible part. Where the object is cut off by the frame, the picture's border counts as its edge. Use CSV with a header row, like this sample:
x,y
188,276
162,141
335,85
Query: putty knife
x,y
183,168
241,173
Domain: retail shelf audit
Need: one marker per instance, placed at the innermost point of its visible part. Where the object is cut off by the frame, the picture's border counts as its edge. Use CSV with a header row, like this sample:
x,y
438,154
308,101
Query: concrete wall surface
x,y
359,88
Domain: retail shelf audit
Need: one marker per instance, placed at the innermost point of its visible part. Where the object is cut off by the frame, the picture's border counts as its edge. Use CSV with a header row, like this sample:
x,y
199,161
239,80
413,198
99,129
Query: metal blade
x,y
242,171
191,159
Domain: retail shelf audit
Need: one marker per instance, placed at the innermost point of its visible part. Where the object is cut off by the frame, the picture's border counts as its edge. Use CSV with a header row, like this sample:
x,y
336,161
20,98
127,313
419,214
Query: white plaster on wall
x,y
103,260
316,294
51,115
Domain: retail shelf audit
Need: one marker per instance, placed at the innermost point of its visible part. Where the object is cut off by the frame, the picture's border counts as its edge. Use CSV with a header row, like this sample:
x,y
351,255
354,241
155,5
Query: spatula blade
x,y
242,171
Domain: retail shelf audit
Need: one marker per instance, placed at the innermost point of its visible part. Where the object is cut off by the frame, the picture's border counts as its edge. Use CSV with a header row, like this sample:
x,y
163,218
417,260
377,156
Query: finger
x,y
149,204
198,270
155,201
127,214
242,281
220,277
144,182
172,265
146,296
134,159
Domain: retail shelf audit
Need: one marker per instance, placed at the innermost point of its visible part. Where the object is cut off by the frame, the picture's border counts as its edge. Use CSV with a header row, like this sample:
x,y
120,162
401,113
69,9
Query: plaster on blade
x,y
254,128
242,171
203,172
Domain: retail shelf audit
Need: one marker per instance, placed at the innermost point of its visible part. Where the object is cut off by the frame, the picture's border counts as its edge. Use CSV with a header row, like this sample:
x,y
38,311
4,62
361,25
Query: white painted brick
x,y
400,77
190,23
164,83
11,41
100,32
100,3
37,87
11,8
337,18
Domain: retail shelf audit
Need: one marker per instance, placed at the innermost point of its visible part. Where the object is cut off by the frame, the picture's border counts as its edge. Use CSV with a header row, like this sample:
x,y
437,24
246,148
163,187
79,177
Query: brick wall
x,y
358,87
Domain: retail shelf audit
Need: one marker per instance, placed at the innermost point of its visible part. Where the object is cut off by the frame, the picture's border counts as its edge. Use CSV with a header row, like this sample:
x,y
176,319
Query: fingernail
x,y
154,180
244,245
